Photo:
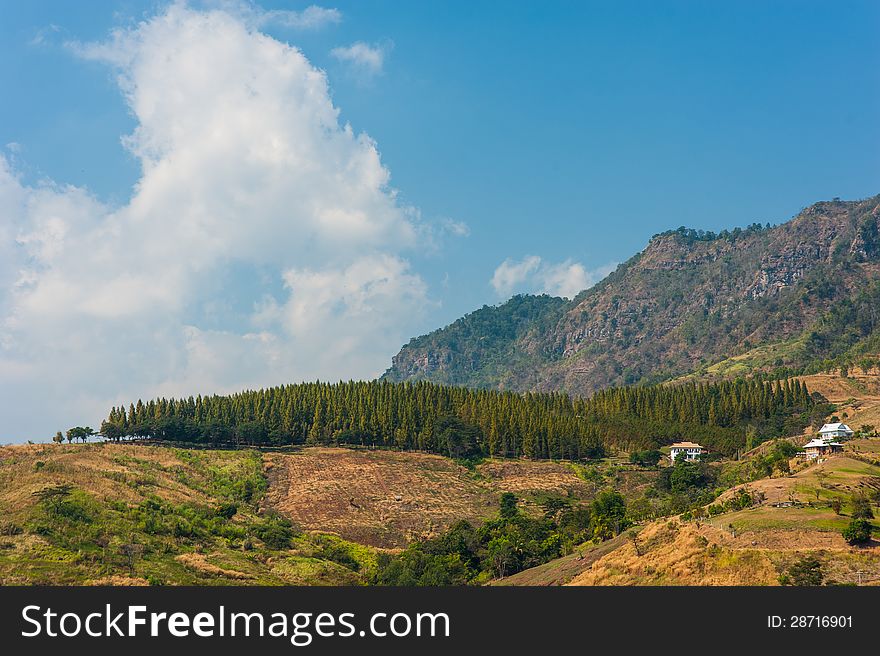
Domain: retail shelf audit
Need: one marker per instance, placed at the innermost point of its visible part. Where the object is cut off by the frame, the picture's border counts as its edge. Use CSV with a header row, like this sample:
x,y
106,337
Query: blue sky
x,y
567,133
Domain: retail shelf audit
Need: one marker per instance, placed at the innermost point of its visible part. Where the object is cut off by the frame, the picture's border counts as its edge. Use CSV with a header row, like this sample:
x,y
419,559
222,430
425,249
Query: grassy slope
x,y
753,545
162,502
748,547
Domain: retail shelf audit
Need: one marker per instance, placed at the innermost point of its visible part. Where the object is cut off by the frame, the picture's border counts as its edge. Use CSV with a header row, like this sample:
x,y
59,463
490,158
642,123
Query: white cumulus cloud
x,y
262,243
533,275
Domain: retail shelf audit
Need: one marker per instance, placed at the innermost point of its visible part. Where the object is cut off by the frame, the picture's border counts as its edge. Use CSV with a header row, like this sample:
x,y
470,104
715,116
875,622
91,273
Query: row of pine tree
x,y
411,416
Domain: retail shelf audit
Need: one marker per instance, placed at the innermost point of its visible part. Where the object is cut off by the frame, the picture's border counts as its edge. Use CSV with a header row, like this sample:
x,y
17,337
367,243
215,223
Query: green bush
x,y
807,571
858,532
276,532
227,510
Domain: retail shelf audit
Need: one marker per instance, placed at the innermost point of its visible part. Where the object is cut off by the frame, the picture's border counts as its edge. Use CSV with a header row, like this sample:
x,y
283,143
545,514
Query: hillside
x,y
796,295
484,345
138,514
794,523
388,498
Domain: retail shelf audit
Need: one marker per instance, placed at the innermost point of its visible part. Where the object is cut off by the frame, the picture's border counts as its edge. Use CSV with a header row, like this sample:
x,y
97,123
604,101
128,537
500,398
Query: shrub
x,y
227,510
648,458
10,529
807,571
276,532
858,532
338,553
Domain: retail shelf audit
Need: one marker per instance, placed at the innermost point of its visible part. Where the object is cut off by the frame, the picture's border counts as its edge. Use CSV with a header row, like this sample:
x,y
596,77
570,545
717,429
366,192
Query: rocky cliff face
x,y
687,300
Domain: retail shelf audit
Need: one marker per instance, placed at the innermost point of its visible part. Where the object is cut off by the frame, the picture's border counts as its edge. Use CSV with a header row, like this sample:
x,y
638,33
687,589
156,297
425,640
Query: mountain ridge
x,y
689,299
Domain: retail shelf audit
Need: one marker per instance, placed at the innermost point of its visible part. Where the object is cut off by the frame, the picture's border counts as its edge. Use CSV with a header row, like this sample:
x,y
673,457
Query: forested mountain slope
x,y
690,299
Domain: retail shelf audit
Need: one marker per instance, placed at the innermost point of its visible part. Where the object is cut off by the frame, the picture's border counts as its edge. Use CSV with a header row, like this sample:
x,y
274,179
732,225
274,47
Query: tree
x,y
59,438
502,554
460,438
608,514
861,507
752,439
131,552
634,539
82,433
508,505
111,431
53,497
858,532
648,458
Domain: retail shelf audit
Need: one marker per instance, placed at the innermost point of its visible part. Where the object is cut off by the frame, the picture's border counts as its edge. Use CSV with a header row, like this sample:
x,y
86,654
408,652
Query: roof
x,y
686,445
835,427
819,443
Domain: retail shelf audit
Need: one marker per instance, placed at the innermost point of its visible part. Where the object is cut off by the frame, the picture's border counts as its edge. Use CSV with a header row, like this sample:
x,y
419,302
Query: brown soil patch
x,y
838,389
523,476
785,540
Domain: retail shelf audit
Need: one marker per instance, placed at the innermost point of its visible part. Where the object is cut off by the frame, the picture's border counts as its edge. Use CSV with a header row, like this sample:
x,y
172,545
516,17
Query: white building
x,y
820,447
832,431
690,450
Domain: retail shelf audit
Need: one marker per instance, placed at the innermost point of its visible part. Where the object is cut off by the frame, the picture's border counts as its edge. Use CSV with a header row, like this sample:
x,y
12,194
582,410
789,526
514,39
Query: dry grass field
x,y
753,546
387,498
123,472
857,395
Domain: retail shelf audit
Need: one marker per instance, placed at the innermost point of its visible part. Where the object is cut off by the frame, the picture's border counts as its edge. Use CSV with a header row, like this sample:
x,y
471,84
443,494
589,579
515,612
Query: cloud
x,y
262,244
455,228
310,18
44,35
365,60
533,275
511,275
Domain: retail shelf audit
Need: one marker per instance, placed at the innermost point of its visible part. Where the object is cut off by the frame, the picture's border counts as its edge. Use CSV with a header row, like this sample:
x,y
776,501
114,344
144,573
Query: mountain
x,y
486,347
796,295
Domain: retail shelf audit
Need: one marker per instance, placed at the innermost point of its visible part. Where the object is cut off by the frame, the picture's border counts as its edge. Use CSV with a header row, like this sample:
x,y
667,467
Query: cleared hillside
x,y
388,498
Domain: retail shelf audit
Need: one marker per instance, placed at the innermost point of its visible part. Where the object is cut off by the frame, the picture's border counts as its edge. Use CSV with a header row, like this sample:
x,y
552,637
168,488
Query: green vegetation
x,y
512,542
692,235
463,423
647,458
858,532
807,571
488,336
218,534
